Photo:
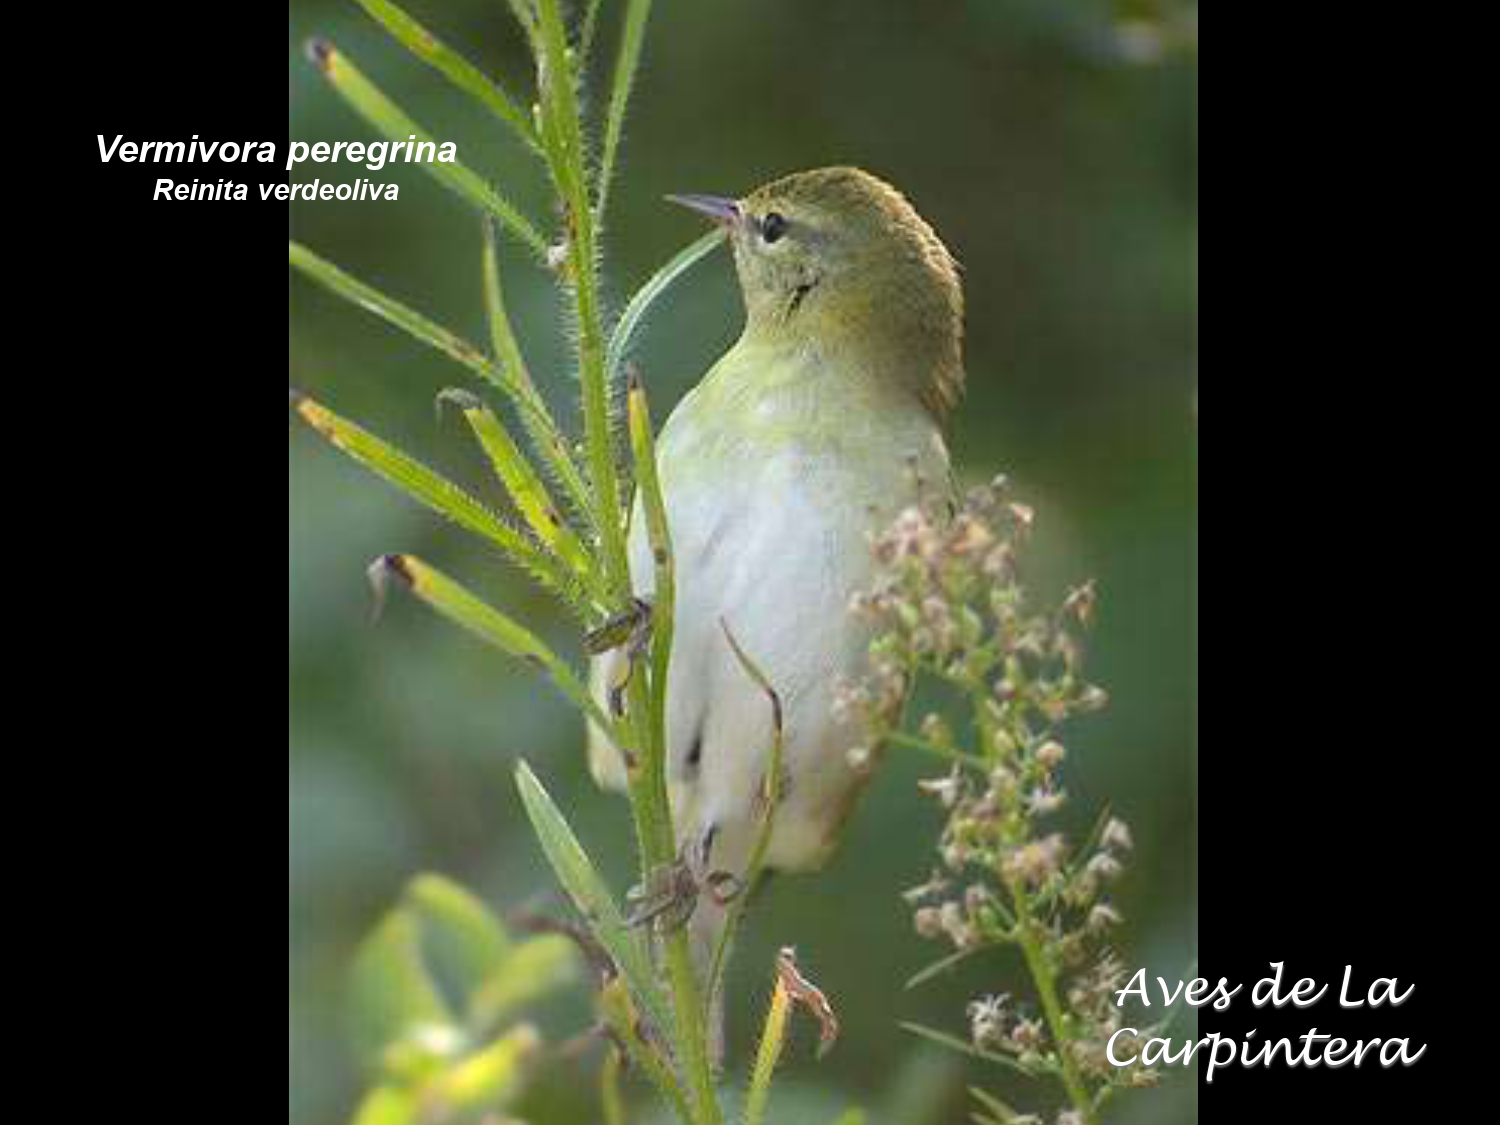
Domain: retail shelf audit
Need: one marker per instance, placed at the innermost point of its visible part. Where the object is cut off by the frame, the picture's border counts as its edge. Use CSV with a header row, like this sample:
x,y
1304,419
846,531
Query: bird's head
x,y
838,260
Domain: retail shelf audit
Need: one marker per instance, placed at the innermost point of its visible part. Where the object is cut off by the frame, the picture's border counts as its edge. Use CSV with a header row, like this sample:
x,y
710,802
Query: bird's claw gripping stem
x,y
670,894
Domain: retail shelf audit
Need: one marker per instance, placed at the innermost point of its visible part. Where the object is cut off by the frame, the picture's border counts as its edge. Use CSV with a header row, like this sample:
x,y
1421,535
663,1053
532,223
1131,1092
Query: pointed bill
x,y
722,210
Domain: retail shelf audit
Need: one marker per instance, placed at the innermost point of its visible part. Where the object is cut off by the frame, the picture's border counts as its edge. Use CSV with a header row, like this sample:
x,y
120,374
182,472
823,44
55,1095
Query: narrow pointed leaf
x,y
393,998
939,967
768,1054
526,489
591,897
637,12
508,635
646,296
503,377
462,941
522,10
562,129
387,1105
441,495
952,1042
1002,1113
331,277
391,122
492,1078
532,970
545,435
590,28
659,537
452,66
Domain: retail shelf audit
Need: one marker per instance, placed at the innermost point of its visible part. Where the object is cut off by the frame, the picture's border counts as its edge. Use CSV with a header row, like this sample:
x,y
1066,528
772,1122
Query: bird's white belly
x,y
773,548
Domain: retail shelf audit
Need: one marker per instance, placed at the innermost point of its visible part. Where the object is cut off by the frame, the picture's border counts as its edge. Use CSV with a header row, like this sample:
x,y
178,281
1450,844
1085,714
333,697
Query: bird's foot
x,y
671,892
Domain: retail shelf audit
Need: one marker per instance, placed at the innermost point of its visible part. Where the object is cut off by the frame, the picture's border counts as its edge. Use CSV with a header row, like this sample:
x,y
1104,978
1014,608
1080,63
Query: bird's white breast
x,y
771,536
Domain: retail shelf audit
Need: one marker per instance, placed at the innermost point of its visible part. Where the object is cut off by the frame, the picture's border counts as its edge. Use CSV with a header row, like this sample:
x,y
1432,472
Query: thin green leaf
x,y
522,10
492,1078
1084,853
581,880
331,277
545,435
621,1015
659,537
507,377
632,37
611,1096
532,970
952,1042
1003,1114
768,1054
394,1000
442,496
458,70
946,753
590,26
508,635
387,1105
562,129
503,339
939,967
392,122
645,297
462,942
526,489
852,1117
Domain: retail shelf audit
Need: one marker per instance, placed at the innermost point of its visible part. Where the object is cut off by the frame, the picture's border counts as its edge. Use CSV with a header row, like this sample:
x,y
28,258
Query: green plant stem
x,y
609,1090
651,810
688,1005
563,136
772,1039
1046,986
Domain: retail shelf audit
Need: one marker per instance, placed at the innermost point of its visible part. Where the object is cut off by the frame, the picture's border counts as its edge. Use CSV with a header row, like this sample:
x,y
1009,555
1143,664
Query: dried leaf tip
x,y
380,573
295,398
320,53
803,991
459,398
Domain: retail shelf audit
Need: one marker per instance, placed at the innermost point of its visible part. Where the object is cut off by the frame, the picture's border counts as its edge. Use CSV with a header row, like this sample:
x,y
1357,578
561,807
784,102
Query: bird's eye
x,y
773,226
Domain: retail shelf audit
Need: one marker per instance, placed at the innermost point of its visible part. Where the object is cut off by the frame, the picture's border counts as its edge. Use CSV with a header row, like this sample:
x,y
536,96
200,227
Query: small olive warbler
x,y
797,445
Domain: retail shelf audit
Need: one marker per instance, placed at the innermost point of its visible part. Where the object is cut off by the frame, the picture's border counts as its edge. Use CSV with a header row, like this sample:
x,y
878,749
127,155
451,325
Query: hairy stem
x,y
1045,980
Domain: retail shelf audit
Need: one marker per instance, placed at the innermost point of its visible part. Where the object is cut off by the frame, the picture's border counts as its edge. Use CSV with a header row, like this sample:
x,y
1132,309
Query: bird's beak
x,y
725,212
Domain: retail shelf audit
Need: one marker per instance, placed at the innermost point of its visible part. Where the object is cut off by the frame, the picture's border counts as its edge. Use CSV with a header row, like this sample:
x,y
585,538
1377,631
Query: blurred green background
x,y
1055,150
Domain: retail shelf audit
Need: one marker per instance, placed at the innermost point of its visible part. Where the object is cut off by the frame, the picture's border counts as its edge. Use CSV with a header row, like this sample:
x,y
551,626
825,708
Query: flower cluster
x,y
948,606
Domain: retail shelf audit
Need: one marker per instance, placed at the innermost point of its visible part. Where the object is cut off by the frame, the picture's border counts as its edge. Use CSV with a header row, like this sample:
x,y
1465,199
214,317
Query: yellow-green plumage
x,y
804,438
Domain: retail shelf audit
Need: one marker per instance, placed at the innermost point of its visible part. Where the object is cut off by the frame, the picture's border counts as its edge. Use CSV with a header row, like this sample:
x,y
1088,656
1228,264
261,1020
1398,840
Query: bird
x,y
820,424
